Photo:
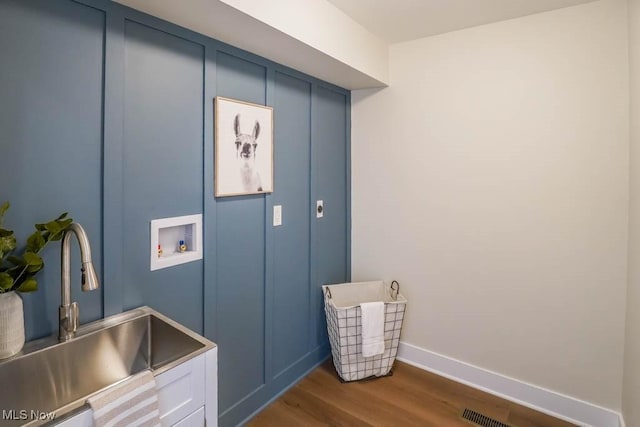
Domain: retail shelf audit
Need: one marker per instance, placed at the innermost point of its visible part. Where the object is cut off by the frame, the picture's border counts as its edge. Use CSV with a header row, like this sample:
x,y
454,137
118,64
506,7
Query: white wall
x,y
631,392
491,180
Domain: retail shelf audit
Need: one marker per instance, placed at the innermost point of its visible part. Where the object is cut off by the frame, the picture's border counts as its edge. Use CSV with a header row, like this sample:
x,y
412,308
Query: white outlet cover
x,y
277,215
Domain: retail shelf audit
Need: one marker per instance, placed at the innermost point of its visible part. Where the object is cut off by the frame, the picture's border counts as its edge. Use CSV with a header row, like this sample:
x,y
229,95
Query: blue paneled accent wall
x,y
51,98
107,113
240,256
162,163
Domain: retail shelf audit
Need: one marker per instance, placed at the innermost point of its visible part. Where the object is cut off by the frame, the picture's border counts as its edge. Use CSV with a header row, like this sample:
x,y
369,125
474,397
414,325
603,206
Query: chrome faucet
x,y
69,312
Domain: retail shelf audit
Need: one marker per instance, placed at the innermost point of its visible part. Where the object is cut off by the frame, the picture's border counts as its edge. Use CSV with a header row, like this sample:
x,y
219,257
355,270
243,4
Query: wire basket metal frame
x,y
344,329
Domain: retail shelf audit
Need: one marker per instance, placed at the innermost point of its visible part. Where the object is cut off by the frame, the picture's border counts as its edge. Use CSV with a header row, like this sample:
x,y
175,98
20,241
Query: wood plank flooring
x,y
411,397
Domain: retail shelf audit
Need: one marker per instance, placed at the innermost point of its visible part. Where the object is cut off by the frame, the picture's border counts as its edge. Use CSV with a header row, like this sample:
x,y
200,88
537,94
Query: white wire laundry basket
x,y
344,321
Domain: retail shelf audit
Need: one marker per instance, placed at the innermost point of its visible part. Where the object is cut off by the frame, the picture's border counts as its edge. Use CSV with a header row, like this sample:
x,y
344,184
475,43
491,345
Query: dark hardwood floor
x,y
411,397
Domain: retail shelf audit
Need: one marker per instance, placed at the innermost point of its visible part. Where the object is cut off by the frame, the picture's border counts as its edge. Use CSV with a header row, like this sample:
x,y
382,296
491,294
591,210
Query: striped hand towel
x,y
133,402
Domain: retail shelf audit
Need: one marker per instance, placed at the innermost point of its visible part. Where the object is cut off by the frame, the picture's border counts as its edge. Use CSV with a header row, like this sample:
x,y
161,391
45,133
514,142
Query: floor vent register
x,y
481,420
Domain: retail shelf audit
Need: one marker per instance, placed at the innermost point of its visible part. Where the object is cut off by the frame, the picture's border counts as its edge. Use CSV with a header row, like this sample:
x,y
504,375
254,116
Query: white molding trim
x,y
549,402
622,423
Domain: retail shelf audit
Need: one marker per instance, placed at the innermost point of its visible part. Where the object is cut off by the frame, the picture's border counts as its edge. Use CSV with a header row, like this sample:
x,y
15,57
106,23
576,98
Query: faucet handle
x,y
68,321
75,318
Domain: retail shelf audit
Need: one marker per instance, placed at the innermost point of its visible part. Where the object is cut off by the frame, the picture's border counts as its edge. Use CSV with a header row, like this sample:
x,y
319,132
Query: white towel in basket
x,y
372,328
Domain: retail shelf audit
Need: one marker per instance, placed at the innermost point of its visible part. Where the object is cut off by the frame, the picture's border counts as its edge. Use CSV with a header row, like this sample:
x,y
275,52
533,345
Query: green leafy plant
x,y
17,272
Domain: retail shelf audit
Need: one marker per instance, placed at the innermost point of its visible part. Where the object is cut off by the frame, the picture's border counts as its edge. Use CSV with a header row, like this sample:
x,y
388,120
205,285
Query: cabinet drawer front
x,y
82,419
181,391
194,420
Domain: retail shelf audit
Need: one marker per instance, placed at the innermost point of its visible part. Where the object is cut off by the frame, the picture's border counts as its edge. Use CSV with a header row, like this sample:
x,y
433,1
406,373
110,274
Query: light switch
x,y
319,209
277,215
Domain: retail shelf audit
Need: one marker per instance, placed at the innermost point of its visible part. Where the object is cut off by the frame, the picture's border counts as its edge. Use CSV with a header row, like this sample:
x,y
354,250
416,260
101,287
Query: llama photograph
x,y
244,148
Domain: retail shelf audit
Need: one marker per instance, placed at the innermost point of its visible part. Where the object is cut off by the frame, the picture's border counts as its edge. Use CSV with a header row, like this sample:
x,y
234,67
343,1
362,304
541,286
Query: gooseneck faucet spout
x,y
69,312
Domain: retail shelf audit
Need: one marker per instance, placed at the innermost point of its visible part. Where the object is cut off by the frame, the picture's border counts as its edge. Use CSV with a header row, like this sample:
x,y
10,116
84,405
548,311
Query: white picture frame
x,y
243,148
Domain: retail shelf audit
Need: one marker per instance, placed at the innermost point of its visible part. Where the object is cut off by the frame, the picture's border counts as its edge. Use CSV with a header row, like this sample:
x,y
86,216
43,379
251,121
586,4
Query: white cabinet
x,y
82,419
187,395
181,391
194,420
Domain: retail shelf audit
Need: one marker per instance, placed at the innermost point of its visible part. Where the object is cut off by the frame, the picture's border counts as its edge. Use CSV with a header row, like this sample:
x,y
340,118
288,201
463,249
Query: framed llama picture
x,y
244,148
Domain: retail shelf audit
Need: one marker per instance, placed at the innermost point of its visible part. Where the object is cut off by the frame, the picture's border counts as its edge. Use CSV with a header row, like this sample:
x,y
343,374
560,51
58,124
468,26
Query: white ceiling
x,y
402,20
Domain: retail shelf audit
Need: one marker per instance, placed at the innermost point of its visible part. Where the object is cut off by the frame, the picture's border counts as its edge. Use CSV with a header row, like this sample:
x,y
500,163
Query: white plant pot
x,y
11,324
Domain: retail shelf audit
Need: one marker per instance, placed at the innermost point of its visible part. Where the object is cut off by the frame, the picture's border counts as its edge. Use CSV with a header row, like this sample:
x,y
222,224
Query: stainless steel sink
x,y
53,377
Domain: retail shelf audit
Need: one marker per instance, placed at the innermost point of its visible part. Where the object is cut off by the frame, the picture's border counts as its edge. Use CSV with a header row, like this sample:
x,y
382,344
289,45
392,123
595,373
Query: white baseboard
x,y
549,402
